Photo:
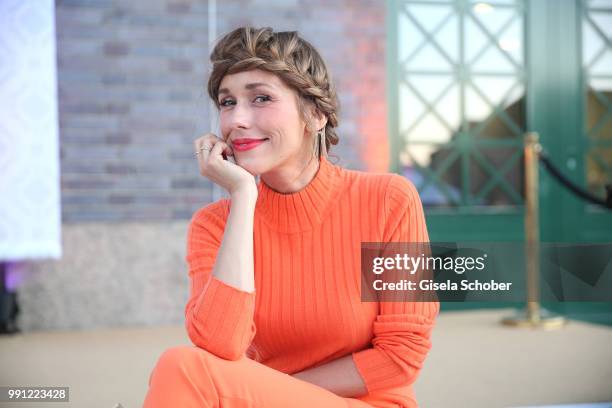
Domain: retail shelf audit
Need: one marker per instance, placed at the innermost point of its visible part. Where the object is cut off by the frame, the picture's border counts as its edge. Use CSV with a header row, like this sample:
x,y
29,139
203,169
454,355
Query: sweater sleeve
x,y
402,329
218,317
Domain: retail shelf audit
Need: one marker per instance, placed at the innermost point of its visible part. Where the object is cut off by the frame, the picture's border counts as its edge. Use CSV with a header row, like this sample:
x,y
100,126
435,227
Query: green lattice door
x,y
467,79
594,151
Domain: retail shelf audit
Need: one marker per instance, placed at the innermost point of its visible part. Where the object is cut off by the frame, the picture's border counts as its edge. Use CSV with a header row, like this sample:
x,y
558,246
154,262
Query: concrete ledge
x,y
110,275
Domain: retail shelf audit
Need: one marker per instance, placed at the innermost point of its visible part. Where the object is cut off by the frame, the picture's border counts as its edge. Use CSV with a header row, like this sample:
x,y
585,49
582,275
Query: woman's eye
x,y
229,102
262,98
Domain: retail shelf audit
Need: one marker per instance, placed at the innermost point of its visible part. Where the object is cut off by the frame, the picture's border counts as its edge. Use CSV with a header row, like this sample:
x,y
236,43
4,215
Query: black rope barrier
x,y
577,190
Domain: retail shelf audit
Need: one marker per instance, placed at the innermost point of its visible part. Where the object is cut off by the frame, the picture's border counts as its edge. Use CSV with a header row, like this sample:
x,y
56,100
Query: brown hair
x,y
294,60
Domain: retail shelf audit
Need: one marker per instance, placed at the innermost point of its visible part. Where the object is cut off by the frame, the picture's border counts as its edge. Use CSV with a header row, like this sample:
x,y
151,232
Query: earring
x,y
322,146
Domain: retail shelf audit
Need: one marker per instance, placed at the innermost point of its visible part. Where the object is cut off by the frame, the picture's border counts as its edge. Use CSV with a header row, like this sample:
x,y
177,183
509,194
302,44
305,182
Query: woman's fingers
x,y
204,150
204,146
212,155
217,149
207,142
228,149
224,150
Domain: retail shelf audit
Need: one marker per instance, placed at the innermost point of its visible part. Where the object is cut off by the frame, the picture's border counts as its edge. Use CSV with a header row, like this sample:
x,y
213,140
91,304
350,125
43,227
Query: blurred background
x,y
100,101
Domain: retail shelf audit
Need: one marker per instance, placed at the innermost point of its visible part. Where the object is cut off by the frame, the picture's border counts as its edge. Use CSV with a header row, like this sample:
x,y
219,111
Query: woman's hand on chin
x,y
220,170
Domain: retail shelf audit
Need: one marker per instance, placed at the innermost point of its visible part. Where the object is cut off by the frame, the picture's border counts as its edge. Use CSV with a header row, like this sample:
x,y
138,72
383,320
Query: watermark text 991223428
x,y
34,394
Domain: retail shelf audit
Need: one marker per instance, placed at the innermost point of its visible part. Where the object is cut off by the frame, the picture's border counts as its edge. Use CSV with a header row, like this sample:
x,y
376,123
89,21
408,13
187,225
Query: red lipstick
x,y
244,144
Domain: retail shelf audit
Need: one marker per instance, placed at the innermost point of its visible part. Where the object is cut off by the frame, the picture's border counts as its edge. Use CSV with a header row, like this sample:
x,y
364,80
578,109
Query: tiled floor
x,y
474,362
596,405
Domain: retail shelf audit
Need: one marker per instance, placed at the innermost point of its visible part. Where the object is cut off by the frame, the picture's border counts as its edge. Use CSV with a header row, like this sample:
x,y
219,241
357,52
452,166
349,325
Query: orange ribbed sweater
x,y
306,309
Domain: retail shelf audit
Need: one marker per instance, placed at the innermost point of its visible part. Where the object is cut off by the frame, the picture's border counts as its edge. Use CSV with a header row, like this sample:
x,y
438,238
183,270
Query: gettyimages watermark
x,y
484,272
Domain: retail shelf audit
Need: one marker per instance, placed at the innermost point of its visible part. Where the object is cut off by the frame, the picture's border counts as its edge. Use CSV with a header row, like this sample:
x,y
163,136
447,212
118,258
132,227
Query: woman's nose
x,y
240,116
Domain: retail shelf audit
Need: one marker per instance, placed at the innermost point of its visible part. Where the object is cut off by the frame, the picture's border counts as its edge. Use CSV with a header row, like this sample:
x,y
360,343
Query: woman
x,y
275,308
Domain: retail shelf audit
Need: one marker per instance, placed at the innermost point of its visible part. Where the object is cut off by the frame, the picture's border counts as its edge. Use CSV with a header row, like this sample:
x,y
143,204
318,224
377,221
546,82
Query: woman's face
x,y
260,119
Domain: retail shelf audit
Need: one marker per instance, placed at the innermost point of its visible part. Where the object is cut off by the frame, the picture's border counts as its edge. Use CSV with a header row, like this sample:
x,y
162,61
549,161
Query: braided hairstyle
x,y
293,59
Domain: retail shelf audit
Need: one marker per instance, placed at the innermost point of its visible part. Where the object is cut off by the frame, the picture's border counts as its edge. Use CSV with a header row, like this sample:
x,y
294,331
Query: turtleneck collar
x,y
304,209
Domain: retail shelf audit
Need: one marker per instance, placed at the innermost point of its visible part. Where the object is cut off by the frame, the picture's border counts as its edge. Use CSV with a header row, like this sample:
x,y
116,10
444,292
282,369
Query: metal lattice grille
x,y
461,100
597,75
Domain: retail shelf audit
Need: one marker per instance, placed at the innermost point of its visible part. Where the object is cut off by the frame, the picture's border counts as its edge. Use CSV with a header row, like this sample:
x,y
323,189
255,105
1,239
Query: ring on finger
x,y
202,148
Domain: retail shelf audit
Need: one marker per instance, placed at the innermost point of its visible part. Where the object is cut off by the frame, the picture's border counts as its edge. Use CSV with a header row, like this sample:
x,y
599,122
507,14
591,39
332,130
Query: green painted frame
x,y
560,92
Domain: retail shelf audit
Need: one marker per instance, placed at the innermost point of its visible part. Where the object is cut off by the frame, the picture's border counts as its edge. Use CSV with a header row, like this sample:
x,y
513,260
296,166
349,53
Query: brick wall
x,y
132,97
132,100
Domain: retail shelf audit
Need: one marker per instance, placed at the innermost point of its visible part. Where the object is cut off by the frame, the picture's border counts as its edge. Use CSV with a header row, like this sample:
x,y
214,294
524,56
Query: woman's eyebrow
x,y
252,85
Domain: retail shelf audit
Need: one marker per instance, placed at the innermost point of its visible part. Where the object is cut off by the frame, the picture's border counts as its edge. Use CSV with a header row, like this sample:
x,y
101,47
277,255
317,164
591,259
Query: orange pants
x,y
191,377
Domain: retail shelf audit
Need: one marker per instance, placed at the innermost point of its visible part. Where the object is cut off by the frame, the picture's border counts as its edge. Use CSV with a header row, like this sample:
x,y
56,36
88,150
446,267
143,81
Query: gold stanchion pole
x,y
533,315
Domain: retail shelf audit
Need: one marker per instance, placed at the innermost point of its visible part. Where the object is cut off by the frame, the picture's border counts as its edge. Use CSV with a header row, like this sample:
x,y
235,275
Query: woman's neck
x,y
292,179
304,203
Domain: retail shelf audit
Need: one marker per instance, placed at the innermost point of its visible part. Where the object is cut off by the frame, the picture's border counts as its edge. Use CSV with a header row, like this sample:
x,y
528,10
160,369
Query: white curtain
x,y
30,210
